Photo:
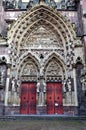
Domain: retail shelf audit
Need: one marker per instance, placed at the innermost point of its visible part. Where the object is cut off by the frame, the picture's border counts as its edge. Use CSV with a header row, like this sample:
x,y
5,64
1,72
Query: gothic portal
x,y
42,64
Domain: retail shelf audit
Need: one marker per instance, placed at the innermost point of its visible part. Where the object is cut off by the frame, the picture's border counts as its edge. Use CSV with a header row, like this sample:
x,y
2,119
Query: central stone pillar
x,y
41,90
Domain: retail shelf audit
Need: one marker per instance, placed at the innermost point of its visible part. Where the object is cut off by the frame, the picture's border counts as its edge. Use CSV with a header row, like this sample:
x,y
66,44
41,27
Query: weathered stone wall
x,y
83,20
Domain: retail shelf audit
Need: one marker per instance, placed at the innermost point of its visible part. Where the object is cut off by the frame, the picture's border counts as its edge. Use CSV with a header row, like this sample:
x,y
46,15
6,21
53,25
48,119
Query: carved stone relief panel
x,y
46,51
29,69
29,72
54,71
42,39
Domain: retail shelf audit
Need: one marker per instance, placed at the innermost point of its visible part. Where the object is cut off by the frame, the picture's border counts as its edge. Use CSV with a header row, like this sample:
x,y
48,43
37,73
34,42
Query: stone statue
x,y
69,86
30,4
71,4
42,1
41,89
38,86
13,85
42,71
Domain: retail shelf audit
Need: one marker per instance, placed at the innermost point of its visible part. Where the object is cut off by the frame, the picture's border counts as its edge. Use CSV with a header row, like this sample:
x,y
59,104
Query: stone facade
x,y
43,44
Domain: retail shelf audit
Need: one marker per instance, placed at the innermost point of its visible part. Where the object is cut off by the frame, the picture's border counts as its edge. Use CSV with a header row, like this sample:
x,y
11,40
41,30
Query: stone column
x,y
75,87
7,86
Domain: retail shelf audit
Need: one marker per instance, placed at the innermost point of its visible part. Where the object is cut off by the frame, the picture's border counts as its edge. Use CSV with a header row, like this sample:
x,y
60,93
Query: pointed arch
x,y
57,64
41,13
24,60
57,57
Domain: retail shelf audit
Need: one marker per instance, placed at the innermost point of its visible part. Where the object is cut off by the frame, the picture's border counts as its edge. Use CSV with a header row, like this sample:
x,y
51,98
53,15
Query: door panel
x,y
58,98
28,98
24,99
50,98
32,98
54,98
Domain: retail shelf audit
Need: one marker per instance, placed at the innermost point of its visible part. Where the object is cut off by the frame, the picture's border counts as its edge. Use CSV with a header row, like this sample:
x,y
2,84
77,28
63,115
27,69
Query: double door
x,y
28,98
54,98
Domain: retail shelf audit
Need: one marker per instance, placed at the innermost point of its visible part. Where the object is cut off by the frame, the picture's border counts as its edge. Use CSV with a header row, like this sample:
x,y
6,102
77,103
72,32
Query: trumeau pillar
x,y
7,85
41,92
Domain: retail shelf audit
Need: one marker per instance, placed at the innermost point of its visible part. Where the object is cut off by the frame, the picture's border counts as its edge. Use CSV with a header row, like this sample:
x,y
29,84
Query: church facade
x,y
43,59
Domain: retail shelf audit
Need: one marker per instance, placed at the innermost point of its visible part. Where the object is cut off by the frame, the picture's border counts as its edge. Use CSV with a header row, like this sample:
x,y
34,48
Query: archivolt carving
x,y
39,13
31,22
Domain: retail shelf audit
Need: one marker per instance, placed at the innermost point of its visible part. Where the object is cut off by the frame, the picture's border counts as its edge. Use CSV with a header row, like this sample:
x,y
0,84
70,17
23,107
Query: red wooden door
x,y
28,98
54,98
50,98
24,99
32,98
58,98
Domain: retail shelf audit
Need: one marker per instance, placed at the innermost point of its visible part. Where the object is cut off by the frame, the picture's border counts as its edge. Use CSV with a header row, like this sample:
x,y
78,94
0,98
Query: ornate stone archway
x,y
42,35
39,18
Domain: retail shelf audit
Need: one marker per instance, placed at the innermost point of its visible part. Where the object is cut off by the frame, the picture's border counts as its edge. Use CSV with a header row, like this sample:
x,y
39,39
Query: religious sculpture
x,y
41,1
41,89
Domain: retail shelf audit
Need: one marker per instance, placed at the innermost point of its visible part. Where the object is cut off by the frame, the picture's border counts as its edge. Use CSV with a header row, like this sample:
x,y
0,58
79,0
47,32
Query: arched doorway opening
x,y
28,76
54,92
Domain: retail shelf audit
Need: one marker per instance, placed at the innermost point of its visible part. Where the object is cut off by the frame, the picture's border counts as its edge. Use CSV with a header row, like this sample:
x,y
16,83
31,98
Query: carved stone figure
x,y
13,85
41,89
41,1
69,85
42,39
71,4
42,71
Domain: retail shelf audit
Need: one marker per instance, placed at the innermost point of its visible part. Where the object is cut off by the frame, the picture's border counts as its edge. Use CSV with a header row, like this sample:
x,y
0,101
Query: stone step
x,y
42,117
